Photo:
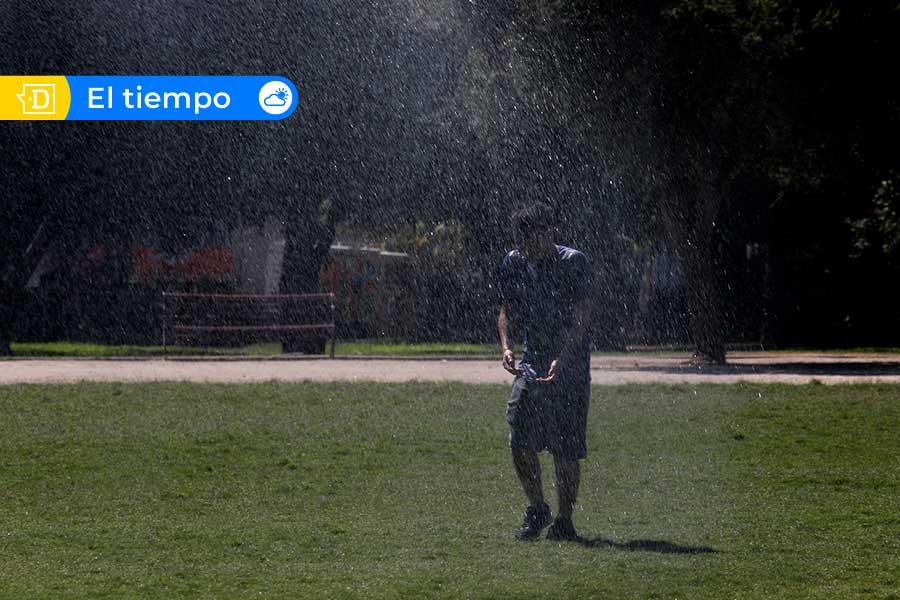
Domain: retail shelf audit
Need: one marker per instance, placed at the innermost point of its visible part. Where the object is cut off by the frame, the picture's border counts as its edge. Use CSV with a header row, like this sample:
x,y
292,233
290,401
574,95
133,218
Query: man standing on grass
x,y
546,292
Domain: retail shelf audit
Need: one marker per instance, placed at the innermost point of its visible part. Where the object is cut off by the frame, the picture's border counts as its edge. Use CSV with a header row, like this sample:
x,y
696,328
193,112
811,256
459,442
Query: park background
x,y
730,166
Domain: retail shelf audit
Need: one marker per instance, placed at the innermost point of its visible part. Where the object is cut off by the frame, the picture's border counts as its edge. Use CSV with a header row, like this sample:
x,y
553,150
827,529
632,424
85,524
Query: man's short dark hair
x,y
534,216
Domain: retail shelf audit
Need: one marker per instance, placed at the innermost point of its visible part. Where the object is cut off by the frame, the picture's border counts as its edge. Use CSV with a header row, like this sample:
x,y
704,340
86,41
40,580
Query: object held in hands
x,y
528,372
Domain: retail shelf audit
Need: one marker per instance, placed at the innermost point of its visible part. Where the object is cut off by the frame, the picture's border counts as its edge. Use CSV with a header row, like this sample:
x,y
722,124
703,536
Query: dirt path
x,y
605,370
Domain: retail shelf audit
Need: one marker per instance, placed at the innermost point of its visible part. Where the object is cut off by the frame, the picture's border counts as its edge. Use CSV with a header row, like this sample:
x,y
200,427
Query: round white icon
x,y
275,97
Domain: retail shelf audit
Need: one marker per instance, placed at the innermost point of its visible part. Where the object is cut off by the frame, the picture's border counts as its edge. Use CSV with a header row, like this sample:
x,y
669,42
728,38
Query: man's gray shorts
x,y
549,416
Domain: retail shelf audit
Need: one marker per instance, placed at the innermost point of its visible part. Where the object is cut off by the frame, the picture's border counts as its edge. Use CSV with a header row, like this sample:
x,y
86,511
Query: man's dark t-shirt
x,y
543,296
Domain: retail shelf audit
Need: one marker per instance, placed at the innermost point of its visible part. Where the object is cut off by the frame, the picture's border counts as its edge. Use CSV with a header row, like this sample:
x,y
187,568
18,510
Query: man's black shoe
x,y
562,530
536,518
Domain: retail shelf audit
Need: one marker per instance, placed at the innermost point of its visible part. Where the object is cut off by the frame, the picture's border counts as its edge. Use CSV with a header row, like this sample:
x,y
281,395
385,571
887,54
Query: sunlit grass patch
x,y
407,349
343,348
405,490
88,350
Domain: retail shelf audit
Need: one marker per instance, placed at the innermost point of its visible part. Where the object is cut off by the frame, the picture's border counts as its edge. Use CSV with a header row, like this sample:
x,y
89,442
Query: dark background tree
x,y
793,105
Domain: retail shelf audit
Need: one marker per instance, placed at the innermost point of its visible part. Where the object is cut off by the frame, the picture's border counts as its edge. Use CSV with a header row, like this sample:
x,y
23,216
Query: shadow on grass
x,y
659,546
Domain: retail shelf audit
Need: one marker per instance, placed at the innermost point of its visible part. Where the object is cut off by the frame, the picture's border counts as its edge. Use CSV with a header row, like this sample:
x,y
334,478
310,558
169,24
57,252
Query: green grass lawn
x,y
405,491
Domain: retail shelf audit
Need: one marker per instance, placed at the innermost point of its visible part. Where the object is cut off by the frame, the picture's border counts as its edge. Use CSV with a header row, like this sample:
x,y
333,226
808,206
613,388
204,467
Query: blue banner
x,y
180,98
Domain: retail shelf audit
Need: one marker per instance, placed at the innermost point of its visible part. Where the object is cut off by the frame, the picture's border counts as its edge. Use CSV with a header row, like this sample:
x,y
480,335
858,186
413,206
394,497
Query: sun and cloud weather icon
x,y
275,98
279,98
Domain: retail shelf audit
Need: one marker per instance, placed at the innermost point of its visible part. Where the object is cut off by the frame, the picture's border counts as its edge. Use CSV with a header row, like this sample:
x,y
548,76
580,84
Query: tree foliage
x,y
797,101
876,237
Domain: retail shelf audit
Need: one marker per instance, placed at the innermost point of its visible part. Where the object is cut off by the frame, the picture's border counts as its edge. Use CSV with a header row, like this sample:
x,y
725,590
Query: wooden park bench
x,y
303,321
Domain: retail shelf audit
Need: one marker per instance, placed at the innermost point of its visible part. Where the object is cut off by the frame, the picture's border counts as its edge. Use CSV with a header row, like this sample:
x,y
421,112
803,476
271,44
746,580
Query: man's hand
x,y
581,317
552,373
509,361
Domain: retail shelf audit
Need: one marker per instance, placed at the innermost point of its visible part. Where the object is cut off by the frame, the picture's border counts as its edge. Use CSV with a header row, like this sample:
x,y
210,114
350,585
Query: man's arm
x,y
581,318
509,357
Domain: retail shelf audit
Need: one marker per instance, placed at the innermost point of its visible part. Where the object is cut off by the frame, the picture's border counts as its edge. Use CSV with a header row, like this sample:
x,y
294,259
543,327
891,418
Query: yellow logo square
x,y
38,98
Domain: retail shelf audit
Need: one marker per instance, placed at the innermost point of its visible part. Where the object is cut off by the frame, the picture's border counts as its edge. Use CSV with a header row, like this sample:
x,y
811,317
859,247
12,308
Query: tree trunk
x,y
6,322
690,213
307,241
15,275
642,312
703,276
